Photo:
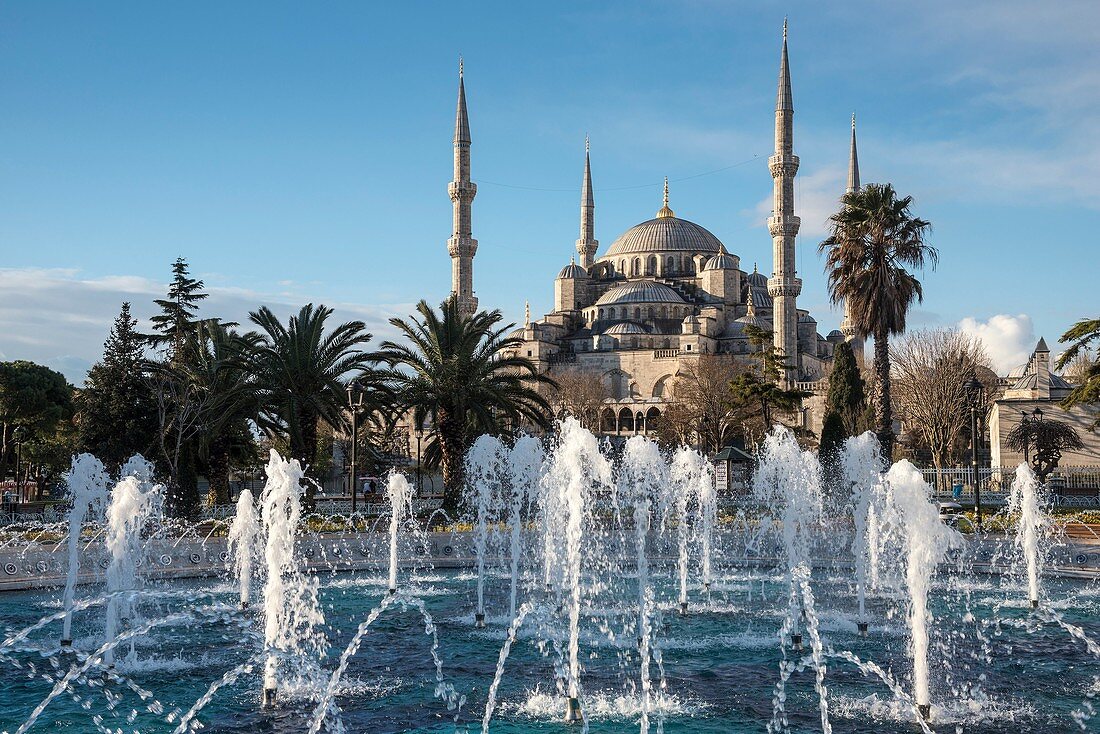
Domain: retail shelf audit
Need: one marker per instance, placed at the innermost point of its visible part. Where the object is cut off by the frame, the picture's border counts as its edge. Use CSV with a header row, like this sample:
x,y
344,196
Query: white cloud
x,y
55,317
816,198
1008,339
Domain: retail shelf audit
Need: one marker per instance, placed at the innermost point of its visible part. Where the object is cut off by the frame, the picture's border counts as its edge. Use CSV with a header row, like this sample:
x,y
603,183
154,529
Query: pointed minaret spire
x,y
847,326
527,314
586,243
784,285
462,246
853,162
664,211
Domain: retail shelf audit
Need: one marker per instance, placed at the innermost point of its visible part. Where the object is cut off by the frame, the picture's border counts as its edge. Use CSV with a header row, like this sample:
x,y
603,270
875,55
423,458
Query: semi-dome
x,y
625,327
665,234
572,270
721,261
640,291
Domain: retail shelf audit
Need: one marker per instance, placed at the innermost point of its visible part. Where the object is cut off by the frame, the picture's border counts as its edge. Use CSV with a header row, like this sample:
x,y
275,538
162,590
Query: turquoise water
x,y
995,666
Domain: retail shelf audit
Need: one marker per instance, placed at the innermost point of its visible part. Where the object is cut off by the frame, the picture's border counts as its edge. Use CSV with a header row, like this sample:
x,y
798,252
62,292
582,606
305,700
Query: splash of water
x,y
133,501
245,534
862,467
400,495
926,539
1024,500
525,461
485,468
87,480
689,478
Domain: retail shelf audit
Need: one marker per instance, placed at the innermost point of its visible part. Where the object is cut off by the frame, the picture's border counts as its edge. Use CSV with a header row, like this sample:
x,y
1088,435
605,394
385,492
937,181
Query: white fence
x,y
1071,486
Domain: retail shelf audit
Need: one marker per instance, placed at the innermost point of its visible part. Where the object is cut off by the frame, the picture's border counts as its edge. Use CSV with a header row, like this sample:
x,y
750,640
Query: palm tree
x,y
299,370
458,372
874,238
214,359
1082,334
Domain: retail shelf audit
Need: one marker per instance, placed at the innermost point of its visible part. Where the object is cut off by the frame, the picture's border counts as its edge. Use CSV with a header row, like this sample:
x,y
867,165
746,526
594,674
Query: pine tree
x,y
846,395
833,435
116,414
177,317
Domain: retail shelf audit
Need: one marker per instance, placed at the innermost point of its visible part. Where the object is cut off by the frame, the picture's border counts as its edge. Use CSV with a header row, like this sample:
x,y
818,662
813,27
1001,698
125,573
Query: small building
x,y
732,470
1034,386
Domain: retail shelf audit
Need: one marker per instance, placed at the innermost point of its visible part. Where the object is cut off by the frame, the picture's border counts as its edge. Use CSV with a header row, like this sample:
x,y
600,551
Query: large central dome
x,y
665,234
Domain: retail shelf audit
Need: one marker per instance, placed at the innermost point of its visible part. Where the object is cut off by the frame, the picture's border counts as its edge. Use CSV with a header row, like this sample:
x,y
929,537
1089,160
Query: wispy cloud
x,y
59,318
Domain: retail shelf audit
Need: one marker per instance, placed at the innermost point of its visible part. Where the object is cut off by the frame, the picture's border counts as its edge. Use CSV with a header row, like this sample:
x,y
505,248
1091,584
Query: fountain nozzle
x,y
573,710
796,642
862,627
244,604
683,608
67,642
1034,603
393,590
925,711
269,698
479,619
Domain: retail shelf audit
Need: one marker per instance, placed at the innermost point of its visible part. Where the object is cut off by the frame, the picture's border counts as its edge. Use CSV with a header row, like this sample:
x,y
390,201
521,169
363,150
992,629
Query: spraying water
x,y
484,472
525,461
133,502
926,540
244,537
87,482
862,467
576,468
1025,501
400,495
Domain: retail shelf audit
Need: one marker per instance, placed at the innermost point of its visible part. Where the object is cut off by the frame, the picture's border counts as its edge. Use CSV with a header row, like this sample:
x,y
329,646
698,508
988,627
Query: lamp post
x,y
19,435
355,406
977,393
1024,419
419,482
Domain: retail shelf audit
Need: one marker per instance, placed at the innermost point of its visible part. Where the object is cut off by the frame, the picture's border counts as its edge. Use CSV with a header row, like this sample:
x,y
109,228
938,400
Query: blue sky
x,y
300,152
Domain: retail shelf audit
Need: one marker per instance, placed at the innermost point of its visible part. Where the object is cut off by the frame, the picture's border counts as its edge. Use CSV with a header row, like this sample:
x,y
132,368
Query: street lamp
x,y
419,482
977,394
355,406
18,436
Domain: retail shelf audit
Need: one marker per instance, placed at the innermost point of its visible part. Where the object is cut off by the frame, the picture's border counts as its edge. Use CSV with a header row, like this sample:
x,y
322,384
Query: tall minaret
x,y
783,286
587,244
462,246
846,326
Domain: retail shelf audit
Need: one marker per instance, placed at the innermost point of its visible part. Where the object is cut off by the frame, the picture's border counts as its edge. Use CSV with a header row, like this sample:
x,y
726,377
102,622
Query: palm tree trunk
x,y
307,452
450,431
217,471
884,414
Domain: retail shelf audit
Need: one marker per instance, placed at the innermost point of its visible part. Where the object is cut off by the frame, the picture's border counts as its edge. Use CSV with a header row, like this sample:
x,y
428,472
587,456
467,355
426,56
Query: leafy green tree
x,y
116,411
833,434
1087,391
299,372
34,397
177,317
465,375
846,395
873,239
1044,440
762,386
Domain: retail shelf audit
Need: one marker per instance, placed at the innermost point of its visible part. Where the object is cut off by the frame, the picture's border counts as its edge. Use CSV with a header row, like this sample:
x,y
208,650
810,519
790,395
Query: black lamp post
x,y
977,393
18,436
355,406
419,481
1024,419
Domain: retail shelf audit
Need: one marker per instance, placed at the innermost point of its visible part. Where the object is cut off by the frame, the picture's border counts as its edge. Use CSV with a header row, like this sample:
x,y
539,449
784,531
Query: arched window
x,y
670,266
637,313
611,313
651,265
626,420
636,267
601,314
607,421
664,312
652,417
652,313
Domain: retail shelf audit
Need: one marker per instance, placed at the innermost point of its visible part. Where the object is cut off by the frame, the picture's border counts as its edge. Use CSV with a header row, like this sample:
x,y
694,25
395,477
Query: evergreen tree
x,y
846,395
177,317
116,413
762,386
833,435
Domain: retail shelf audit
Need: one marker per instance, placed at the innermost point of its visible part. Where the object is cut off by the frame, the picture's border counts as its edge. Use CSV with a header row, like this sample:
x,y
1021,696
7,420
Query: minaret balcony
x,y
784,226
462,246
783,164
462,190
779,286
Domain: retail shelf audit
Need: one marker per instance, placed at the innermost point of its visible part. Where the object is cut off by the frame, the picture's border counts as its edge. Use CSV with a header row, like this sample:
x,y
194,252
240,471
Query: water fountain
x,y
1025,500
618,535
88,487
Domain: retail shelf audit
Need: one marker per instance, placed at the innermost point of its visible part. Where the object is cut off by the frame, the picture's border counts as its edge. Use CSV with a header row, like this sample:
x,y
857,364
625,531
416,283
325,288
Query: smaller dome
x,y
721,261
757,279
806,319
835,334
640,291
625,327
572,270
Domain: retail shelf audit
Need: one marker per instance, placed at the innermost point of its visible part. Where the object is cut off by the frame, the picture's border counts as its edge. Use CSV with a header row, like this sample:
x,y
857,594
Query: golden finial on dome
x,y
664,211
